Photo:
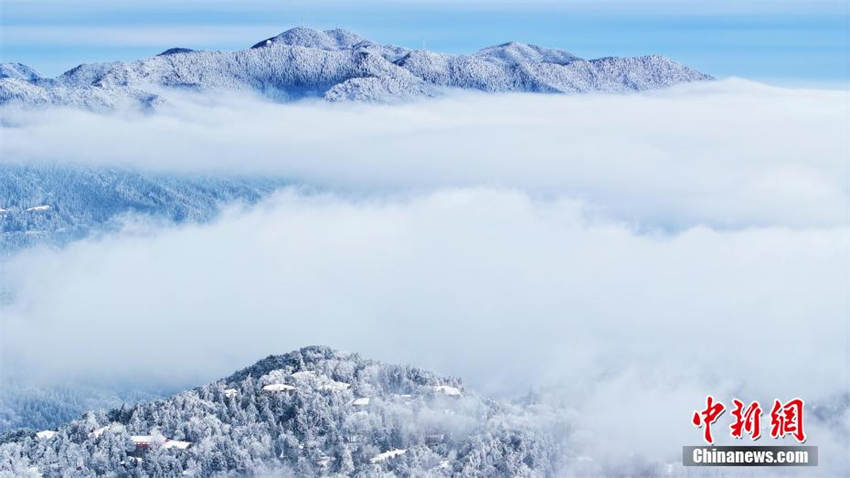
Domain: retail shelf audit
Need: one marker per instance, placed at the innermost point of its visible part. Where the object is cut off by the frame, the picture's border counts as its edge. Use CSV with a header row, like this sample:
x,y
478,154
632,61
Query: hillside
x,y
53,204
312,412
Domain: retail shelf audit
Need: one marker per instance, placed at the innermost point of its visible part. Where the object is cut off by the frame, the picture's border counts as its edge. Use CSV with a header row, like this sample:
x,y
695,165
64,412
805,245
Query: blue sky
x,y
781,42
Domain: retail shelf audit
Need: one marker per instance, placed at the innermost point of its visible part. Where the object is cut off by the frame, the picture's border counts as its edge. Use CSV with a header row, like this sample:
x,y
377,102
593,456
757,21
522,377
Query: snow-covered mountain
x,y
18,71
312,412
336,65
52,204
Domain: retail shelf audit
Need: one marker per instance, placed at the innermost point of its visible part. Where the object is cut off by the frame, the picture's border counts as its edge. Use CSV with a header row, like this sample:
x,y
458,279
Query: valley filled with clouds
x,y
657,246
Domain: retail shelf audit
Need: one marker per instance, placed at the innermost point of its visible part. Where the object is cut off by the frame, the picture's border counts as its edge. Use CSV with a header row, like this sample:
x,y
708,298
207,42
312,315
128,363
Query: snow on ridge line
x,y
284,67
43,207
46,434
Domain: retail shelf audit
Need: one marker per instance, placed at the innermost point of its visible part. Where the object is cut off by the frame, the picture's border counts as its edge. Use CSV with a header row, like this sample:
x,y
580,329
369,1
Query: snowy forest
x,y
312,412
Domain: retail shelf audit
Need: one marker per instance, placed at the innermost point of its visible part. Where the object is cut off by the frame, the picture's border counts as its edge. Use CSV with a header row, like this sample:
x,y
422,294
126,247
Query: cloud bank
x,y
511,293
726,154
658,247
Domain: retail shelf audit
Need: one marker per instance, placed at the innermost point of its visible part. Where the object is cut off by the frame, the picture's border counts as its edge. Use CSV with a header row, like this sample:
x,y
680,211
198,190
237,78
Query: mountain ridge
x,y
51,204
336,65
315,411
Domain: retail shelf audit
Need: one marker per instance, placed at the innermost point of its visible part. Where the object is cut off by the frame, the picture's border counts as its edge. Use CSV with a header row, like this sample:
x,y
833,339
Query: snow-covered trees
x,y
311,430
338,66
82,200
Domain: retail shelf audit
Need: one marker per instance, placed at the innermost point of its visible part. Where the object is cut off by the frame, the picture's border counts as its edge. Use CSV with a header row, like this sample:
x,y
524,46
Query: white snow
x,y
335,386
325,382
141,440
387,455
341,66
304,374
178,444
46,434
360,402
229,392
278,387
146,440
18,71
98,432
447,390
43,207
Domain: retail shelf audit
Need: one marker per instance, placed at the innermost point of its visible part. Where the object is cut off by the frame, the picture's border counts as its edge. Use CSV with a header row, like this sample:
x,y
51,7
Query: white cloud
x,y
488,284
725,154
511,240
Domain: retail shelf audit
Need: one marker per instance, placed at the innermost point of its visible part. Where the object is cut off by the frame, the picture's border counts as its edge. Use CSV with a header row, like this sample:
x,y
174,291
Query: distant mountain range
x,y
54,205
312,412
336,65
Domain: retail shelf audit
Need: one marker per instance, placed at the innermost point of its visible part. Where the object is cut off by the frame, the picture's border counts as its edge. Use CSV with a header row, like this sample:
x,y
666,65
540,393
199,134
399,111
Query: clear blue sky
x,y
783,42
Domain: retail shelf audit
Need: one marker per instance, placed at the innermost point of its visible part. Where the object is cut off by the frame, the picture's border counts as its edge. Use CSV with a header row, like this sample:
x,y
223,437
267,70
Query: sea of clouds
x,y
623,255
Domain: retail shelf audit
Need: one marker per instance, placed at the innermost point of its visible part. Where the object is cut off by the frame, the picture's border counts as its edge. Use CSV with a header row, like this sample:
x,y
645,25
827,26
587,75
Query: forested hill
x,y
312,412
56,204
336,65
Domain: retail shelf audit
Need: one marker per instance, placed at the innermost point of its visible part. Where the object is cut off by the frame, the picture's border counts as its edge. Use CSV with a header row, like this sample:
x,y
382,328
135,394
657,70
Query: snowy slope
x,y
336,65
18,71
243,425
57,204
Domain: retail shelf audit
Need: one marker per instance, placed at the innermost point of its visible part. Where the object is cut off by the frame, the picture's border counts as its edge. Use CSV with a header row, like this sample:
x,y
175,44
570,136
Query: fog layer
x,y
618,253
723,154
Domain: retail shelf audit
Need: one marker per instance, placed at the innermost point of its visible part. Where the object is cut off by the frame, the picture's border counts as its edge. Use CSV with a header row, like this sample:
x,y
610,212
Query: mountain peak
x,y
174,51
18,71
517,52
311,412
295,360
335,39
337,65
